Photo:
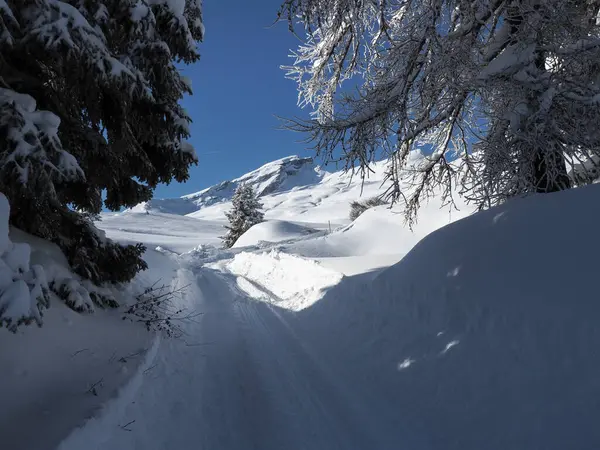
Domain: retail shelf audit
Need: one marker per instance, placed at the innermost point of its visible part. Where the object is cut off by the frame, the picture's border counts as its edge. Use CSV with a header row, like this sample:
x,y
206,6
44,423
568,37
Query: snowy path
x,y
241,380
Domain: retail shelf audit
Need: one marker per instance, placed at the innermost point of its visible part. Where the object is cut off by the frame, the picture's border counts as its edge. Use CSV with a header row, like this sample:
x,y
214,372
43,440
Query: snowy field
x,y
469,332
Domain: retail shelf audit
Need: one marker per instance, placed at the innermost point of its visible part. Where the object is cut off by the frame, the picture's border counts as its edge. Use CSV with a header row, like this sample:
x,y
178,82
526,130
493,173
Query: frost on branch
x,y
506,89
23,288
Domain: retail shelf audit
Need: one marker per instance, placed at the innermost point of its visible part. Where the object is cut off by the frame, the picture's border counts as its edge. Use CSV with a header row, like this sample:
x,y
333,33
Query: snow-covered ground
x,y
483,335
155,229
55,377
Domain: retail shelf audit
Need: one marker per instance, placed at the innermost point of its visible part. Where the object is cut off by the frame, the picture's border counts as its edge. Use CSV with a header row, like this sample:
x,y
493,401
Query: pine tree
x,y
510,86
89,106
245,213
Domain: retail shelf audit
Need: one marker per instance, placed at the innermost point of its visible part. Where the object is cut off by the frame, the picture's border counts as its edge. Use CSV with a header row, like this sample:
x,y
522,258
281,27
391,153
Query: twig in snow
x,y
149,369
199,344
92,389
124,359
157,310
79,351
124,427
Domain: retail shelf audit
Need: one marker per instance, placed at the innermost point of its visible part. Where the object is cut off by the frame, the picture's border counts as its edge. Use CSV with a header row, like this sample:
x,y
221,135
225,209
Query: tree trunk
x,y
541,172
549,167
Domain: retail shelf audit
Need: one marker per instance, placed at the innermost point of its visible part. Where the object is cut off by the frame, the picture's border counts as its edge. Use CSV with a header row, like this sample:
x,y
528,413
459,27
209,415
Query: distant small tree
x,y
359,207
245,213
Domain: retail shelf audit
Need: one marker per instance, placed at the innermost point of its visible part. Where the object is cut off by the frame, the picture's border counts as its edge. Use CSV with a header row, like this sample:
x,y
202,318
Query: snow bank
x,y
23,288
273,231
378,231
169,231
99,428
485,335
323,202
288,281
47,373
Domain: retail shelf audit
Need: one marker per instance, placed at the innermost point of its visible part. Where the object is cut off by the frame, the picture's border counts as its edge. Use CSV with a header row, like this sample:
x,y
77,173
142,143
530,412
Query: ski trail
x,y
240,379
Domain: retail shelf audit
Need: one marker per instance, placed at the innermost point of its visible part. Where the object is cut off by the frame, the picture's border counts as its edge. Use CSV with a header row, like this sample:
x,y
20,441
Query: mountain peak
x,y
276,176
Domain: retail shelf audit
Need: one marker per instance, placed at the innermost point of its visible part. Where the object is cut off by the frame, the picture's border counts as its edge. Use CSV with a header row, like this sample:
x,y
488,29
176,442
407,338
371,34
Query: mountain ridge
x,y
273,177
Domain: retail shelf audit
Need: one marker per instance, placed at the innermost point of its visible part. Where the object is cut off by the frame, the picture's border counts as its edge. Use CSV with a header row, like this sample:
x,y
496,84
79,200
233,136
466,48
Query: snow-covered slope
x,y
172,232
273,231
299,198
319,202
277,176
292,189
484,336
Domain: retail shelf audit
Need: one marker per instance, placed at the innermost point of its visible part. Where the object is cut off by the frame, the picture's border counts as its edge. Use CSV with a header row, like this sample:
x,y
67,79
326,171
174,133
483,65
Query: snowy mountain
x,y
277,176
299,199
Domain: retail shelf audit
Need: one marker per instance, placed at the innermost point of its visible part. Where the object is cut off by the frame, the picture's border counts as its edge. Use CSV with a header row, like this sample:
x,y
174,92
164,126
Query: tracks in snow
x,y
241,380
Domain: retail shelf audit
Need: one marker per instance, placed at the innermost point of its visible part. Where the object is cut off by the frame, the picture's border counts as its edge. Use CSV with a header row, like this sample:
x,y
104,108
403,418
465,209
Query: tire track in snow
x,y
240,380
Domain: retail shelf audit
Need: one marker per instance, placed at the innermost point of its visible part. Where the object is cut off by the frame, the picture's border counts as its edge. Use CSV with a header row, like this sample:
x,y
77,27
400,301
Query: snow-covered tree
x,y
23,287
245,213
510,86
89,106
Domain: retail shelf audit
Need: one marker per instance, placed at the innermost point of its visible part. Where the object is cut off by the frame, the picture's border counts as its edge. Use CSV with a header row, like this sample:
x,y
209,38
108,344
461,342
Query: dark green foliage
x,y
245,213
89,104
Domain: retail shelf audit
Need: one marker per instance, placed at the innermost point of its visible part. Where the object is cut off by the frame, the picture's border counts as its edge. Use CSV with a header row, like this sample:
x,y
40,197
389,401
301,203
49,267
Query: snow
x,y
294,283
48,373
171,232
277,176
272,231
23,288
139,11
4,214
511,60
175,6
513,366
471,331
35,127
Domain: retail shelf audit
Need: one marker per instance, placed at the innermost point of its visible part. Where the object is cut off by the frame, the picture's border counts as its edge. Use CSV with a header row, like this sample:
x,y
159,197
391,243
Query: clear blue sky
x,y
238,90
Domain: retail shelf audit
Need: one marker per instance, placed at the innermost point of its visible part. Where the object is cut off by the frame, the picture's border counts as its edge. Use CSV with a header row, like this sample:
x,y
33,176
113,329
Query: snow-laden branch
x,y
503,75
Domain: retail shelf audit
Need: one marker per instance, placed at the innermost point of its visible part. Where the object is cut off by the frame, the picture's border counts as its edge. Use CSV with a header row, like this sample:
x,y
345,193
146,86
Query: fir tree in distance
x,y
509,86
89,107
245,213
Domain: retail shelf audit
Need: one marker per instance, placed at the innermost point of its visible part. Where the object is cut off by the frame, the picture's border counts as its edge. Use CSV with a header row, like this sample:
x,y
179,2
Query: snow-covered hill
x,y
301,200
277,176
470,331
292,189
482,336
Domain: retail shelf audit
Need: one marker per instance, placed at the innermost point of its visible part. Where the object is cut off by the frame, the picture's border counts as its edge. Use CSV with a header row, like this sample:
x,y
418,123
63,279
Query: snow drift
x,y
484,336
287,281
272,231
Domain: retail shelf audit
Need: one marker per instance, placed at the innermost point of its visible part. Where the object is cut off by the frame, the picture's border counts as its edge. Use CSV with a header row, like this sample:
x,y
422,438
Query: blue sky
x,y
238,90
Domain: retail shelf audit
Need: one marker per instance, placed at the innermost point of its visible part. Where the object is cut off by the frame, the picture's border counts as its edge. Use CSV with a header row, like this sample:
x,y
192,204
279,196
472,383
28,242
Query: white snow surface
x,y
54,378
288,281
483,334
171,232
271,231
